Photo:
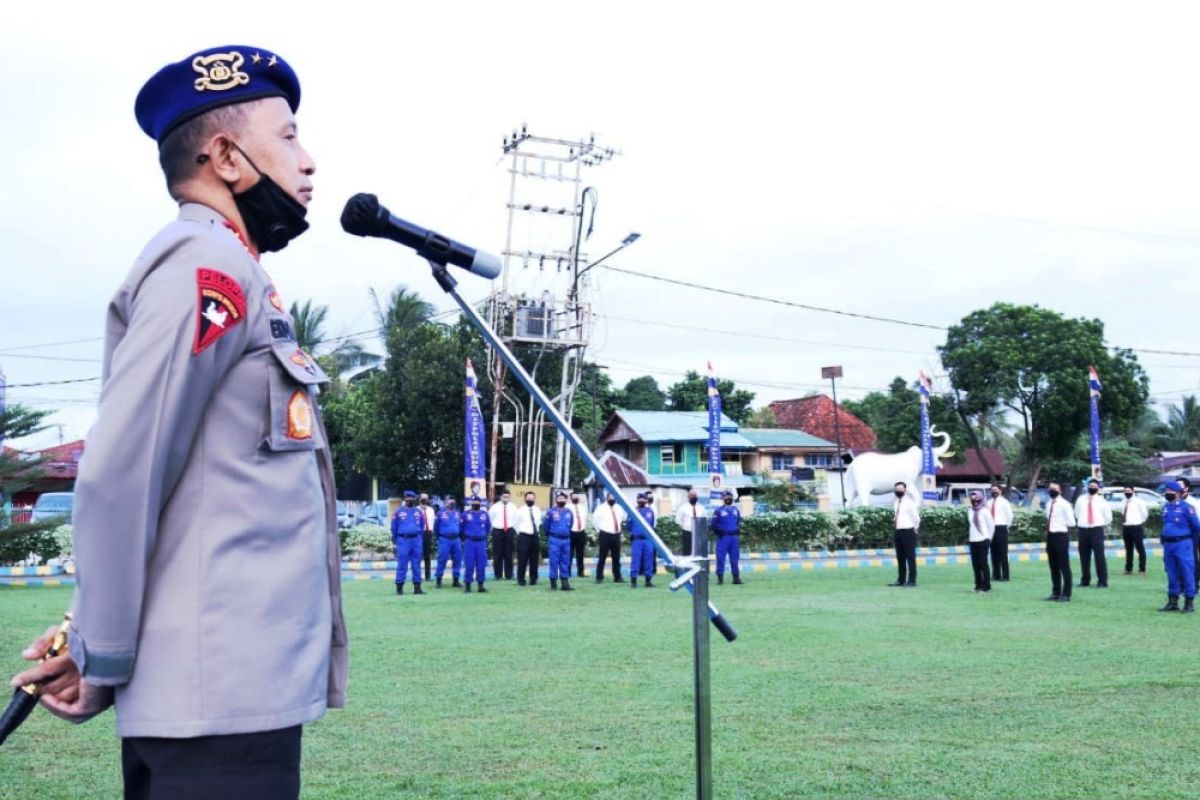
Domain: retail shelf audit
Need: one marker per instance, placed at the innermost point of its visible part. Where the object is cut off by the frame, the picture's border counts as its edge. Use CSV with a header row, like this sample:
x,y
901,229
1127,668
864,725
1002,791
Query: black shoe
x,y
457,583
1172,604
1052,598
1065,598
468,589
482,588
618,579
520,583
737,580
439,583
895,583
633,583
599,579
399,588
418,590
533,582
720,579
649,583
1128,572
910,585
1083,585
1189,606
1101,585
581,575
554,584
567,587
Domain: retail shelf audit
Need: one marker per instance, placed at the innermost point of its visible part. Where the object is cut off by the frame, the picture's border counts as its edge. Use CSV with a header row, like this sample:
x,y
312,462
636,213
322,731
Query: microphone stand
x,y
691,572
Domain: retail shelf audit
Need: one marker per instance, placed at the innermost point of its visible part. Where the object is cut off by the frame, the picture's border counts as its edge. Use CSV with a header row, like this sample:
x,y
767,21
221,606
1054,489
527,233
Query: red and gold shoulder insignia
x,y
275,300
220,305
299,416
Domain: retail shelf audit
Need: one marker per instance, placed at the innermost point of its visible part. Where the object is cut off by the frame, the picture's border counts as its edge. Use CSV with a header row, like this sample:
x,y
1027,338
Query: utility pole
x,y
833,373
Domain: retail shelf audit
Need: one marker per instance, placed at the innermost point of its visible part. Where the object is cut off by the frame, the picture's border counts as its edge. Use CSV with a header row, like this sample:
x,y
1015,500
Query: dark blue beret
x,y
728,493
409,493
1174,486
218,76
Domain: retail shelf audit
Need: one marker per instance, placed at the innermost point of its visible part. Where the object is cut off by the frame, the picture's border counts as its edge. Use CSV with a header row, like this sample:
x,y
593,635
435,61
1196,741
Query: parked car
x,y
374,514
345,515
1116,499
53,504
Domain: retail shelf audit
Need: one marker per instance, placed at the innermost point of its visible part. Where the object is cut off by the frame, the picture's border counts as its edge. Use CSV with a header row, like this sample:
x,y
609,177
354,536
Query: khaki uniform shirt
x,y
208,566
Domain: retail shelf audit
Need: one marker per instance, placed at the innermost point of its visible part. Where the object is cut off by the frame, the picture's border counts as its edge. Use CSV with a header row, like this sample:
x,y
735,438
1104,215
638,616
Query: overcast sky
x,y
909,160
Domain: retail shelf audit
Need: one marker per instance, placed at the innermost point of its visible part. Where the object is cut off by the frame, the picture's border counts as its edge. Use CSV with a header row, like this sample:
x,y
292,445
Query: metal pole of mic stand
x,y
690,571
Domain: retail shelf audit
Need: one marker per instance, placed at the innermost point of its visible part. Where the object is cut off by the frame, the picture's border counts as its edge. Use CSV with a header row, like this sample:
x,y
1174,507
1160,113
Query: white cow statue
x,y
877,473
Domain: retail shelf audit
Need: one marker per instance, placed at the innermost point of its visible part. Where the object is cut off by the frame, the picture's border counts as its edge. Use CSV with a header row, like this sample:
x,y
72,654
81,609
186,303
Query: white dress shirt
x,y
1134,511
905,513
579,516
608,519
1000,510
985,529
430,517
1101,511
688,513
529,519
497,513
1059,518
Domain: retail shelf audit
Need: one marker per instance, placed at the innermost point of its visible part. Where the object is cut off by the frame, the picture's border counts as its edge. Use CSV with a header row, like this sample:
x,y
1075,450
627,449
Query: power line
x,y
762,384
51,344
51,383
52,358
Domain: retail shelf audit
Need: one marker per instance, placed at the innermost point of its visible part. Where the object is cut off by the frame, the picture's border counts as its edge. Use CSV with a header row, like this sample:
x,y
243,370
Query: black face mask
x,y
272,216
1170,497
1129,494
899,493
728,501
529,503
474,506
1053,492
692,500
408,503
1092,490
995,494
611,500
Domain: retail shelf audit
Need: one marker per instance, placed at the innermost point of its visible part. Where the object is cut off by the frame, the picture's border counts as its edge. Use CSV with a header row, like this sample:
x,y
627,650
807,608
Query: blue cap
x,y
1174,486
218,76
449,498
728,493
409,493
476,498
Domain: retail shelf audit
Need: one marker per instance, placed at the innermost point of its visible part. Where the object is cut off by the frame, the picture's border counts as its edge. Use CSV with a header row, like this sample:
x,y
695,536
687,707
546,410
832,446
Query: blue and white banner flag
x,y
473,452
928,465
3,389
1094,392
716,487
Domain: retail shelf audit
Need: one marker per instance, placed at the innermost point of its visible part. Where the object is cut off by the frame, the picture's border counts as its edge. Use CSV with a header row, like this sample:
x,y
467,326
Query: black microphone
x,y
365,216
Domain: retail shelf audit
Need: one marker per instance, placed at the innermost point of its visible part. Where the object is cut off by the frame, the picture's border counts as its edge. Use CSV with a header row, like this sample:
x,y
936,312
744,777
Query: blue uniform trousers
x,y
408,554
641,558
449,547
560,556
729,545
475,555
1180,562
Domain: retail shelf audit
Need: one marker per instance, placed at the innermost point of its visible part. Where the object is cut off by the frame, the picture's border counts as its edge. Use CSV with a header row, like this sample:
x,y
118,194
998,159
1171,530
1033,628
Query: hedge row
x,y
41,545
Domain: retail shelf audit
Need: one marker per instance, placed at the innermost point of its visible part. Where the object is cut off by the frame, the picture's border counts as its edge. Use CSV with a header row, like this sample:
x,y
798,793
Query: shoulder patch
x,y
220,305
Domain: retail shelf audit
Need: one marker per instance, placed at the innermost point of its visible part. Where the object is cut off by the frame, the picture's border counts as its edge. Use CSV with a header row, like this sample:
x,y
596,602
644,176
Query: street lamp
x,y
628,240
833,373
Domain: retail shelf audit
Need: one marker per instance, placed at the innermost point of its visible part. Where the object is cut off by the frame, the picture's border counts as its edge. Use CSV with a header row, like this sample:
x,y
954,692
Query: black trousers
x,y
427,550
610,546
503,543
263,766
685,544
529,557
1091,543
1000,553
1135,539
905,540
1058,553
578,543
979,564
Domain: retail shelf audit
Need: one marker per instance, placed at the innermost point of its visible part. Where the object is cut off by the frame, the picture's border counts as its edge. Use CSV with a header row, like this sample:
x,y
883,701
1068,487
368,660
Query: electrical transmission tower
x,y
541,308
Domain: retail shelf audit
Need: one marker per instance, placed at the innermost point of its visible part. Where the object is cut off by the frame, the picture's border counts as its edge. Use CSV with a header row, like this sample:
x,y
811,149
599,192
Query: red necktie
x,y
896,518
505,507
977,521
1050,513
1091,518
993,508
578,520
1125,512
616,527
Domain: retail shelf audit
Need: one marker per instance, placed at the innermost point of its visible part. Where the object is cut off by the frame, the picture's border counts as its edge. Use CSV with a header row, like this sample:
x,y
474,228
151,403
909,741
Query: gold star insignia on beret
x,y
256,58
274,60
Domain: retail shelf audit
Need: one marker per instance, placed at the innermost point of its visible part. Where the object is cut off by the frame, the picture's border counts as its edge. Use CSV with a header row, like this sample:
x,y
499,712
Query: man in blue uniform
x,y
727,523
641,551
557,524
447,526
1180,528
475,526
407,524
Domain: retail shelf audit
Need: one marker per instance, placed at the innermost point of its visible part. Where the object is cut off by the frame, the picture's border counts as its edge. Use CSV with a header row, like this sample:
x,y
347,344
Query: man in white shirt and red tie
x,y
607,519
1093,515
1059,521
906,521
529,553
686,517
1133,520
1000,510
980,530
579,517
504,536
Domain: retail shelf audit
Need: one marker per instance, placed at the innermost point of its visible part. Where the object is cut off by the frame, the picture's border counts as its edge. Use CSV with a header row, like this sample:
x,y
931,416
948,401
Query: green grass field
x,y
838,688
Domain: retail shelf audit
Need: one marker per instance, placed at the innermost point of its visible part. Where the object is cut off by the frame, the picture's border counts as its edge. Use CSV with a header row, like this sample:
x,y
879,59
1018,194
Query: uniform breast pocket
x,y
294,382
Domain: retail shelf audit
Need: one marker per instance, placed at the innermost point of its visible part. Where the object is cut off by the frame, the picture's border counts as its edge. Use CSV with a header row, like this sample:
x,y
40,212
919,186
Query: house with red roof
x,y
817,415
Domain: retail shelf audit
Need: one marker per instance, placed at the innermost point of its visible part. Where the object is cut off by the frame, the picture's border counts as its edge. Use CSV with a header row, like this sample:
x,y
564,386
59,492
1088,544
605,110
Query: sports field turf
x,y
839,687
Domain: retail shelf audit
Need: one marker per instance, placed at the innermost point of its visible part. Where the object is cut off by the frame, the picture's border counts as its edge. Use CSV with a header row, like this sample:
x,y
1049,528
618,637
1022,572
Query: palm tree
x,y
309,322
1183,422
405,309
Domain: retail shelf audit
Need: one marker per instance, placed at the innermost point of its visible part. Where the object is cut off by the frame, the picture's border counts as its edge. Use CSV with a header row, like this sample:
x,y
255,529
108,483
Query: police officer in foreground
x,y
208,607
727,524
1181,527
475,525
407,524
557,524
641,551
447,526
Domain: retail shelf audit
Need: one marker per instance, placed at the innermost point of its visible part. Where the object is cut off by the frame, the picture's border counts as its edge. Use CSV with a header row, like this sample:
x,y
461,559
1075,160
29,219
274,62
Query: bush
x,y
43,544
367,540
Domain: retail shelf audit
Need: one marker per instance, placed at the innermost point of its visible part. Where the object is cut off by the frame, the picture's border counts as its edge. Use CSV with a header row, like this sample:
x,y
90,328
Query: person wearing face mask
x,y
476,523
1185,494
529,555
557,524
906,522
607,519
727,525
686,518
1133,520
1093,515
429,516
204,506
641,551
1059,521
579,517
407,524
1181,526
1000,510
447,527
980,530
505,514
